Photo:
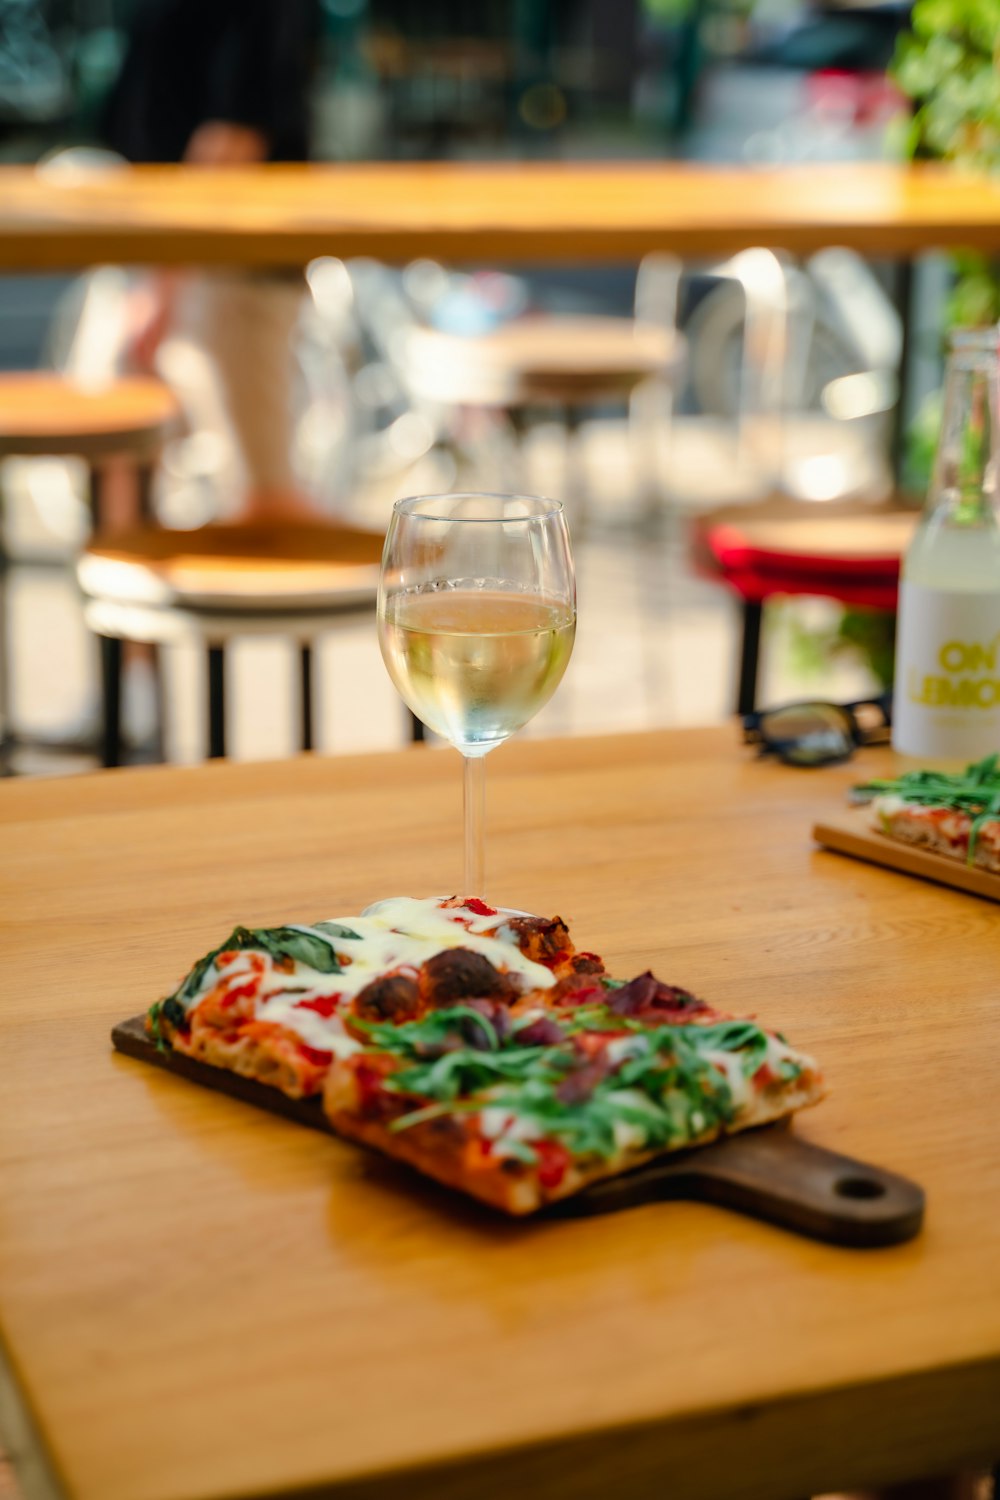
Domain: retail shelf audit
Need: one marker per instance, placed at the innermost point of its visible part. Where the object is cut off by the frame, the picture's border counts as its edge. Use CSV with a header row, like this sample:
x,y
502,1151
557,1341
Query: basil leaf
x,y
297,943
155,1012
174,1012
240,937
278,942
338,930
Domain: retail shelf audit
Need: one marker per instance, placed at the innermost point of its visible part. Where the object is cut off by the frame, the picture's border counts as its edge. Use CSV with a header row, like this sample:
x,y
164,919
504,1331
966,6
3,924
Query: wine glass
x,y
476,620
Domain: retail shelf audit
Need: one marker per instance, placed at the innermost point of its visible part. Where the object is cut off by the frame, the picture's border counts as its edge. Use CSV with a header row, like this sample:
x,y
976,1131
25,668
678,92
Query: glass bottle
x,y
947,682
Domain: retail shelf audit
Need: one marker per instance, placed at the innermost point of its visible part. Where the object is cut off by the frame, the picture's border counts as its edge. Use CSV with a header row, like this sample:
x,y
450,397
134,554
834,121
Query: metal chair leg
x,y
6,723
144,476
575,472
96,485
160,740
753,615
216,702
111,700
417,731
306,695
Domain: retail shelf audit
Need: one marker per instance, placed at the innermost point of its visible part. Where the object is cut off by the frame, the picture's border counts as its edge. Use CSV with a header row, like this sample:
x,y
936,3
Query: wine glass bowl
x,y
476,621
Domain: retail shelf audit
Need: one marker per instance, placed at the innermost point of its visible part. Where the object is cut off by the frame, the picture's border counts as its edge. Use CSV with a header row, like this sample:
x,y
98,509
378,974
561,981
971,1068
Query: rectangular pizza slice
x,y
270,1003
523,1104
954,814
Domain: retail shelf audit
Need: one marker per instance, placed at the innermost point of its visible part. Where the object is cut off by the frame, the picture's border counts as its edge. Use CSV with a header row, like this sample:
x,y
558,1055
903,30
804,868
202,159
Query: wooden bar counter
x,y
199,1300
494,213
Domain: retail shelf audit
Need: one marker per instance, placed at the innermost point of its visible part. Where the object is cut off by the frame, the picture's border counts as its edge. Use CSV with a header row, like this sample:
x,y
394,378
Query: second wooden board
x,y
851,832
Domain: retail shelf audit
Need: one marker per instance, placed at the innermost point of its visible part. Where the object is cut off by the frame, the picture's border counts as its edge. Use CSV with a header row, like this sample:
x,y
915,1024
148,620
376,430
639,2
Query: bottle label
x,y
947,692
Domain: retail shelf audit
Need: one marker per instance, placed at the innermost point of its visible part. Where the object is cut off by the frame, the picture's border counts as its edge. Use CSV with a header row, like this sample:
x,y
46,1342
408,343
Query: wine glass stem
x,y
475,811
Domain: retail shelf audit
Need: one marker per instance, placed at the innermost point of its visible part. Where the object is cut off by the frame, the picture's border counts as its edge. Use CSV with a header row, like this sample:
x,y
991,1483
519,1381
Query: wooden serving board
x,y
850,832
767,1173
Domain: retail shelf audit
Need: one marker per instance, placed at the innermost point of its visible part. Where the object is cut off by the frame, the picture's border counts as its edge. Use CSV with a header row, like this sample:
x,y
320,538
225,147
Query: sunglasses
x,y
819,734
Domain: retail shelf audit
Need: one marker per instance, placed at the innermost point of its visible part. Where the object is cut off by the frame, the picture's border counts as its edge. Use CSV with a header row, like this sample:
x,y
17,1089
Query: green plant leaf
x,y
338,930
303,945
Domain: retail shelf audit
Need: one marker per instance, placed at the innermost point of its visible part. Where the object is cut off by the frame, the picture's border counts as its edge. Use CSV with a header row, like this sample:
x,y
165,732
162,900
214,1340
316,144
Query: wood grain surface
x,y
284,215
201,1300
849,830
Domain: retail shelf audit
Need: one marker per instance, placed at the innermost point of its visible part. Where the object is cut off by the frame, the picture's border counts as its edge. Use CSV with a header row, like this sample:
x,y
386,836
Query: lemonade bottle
x,y
947,685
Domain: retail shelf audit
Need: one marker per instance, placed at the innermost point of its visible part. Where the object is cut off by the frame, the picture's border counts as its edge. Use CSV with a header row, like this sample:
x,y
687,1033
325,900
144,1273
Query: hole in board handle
x,y
859,1187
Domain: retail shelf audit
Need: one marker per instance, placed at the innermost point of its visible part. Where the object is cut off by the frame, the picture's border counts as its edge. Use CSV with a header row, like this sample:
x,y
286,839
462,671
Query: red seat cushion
x,y
756,573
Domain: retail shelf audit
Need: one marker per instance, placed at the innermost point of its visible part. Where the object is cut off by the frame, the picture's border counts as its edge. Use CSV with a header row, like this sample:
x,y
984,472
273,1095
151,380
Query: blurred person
x,y
225,83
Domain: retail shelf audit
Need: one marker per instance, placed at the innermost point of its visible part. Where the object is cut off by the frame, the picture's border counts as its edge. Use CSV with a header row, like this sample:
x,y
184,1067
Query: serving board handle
x,y
773,1175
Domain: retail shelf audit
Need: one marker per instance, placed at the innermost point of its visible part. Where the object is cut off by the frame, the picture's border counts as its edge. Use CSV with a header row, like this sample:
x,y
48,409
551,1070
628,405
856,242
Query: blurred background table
x,y
282,215
200,1300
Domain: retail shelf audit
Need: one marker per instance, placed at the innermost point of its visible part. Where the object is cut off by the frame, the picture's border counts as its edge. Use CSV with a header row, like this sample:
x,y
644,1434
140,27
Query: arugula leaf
x,y
664,1086
989,812
669,1091
430,1112
468,1071
416,1038
725,1036
598,1018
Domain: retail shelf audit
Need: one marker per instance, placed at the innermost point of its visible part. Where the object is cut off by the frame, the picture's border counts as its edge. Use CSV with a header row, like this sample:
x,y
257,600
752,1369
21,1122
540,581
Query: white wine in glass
x,y
477,615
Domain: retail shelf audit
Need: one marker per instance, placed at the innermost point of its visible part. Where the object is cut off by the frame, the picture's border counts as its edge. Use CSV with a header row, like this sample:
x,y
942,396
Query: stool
x,y
48,415
568,363
220,584
845,552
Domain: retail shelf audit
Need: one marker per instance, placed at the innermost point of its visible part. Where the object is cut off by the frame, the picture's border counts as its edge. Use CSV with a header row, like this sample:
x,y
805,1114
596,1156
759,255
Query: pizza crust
x,y
270,1059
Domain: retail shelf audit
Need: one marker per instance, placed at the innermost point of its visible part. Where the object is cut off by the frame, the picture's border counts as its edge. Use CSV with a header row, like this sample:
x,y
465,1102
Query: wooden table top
x,y
201,1300
491,213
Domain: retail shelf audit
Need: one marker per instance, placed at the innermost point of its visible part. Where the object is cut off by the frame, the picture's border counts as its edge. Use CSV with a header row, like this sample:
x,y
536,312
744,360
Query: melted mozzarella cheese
x,y
496,1121
505,1130
399,933
624,1047
325,1033
731,1065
